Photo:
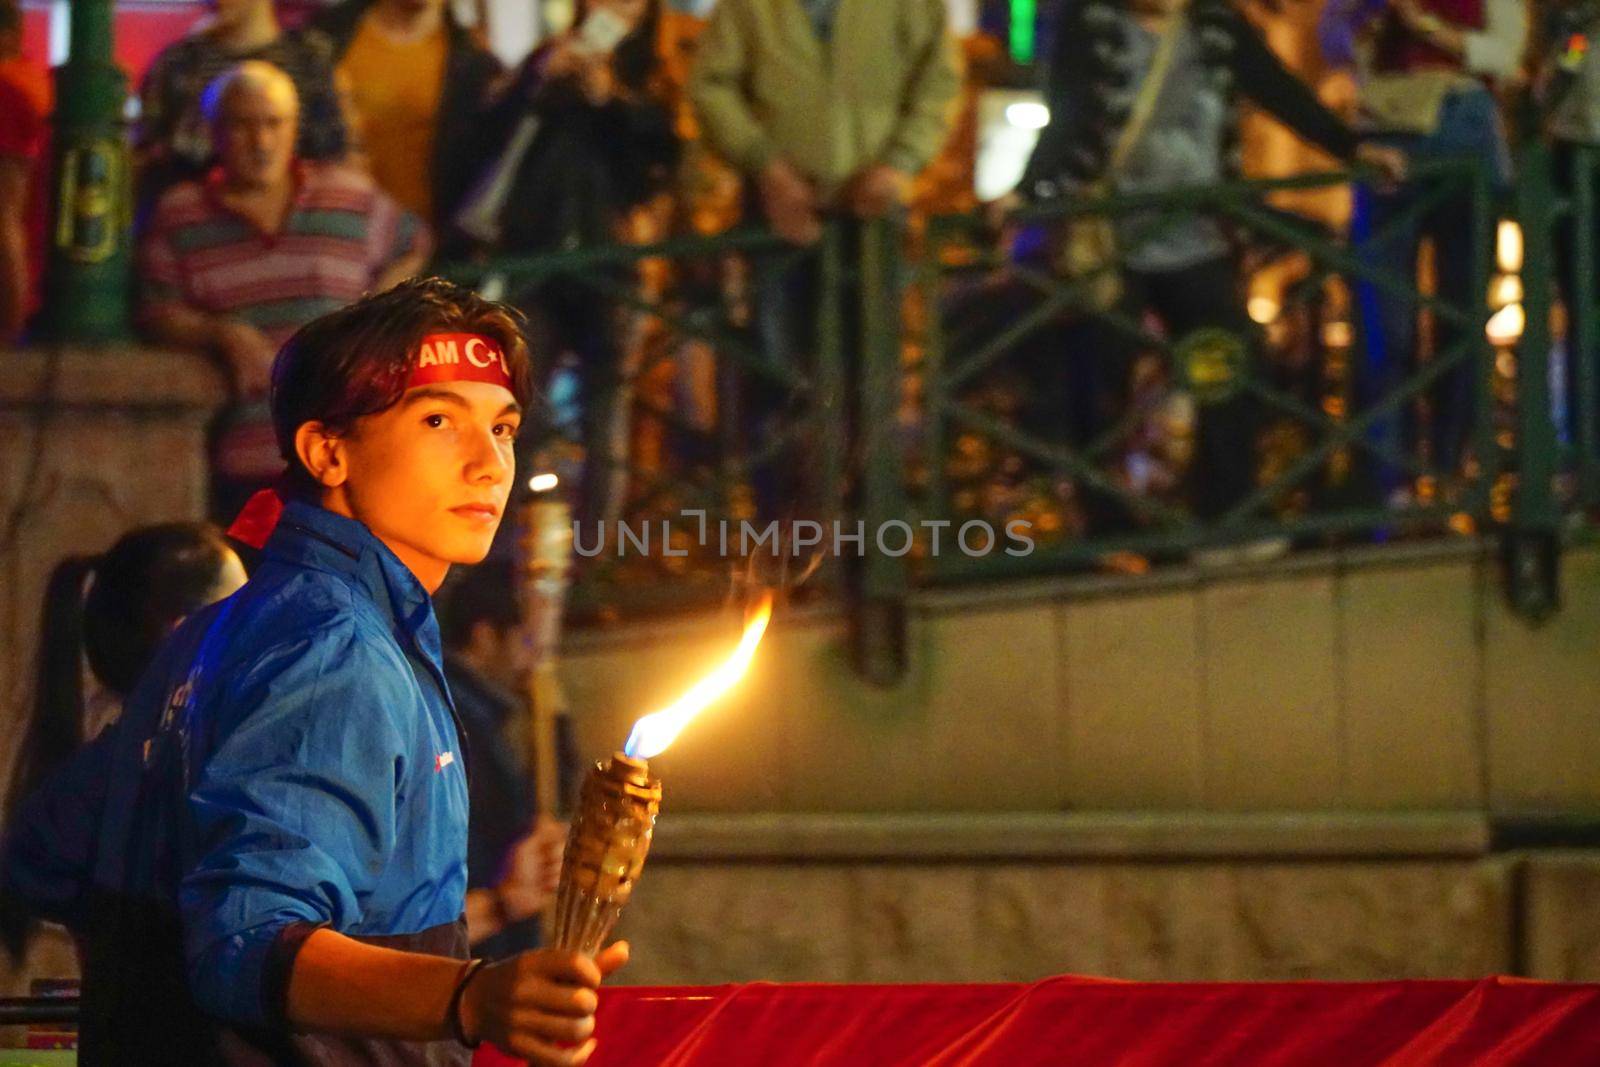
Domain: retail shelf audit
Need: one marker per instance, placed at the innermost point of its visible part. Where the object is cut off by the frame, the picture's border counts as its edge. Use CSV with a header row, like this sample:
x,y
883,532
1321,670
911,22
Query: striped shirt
x,y
341,233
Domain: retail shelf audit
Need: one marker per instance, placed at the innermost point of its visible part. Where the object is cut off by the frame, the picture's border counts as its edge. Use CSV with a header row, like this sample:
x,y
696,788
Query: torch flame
x,y
653,733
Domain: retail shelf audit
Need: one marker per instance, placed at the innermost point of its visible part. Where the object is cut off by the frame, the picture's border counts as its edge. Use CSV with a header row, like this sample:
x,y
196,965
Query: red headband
x,y
459,357
442,357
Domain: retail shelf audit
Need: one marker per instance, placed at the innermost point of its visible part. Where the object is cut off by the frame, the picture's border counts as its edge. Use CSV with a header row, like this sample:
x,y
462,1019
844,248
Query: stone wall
x,y
728,898
1369,680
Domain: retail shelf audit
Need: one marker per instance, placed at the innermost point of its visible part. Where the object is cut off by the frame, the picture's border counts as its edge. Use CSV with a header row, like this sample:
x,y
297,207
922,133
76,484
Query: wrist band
x,y
453,1012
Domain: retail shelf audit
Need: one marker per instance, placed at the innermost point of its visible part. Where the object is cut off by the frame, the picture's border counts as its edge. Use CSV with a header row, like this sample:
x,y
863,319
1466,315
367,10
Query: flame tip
x,y
654,732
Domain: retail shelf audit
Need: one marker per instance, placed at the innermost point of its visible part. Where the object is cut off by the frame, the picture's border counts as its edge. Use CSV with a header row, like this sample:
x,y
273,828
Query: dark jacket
x,y
469,74
290,761
589,164
1089,102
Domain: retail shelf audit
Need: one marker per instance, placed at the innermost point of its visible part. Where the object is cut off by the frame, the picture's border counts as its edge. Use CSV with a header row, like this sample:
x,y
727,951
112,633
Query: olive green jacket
x,y
879,91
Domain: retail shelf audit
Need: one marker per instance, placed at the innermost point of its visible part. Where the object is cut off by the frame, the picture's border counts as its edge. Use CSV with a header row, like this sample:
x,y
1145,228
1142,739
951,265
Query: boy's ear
x,y
323,454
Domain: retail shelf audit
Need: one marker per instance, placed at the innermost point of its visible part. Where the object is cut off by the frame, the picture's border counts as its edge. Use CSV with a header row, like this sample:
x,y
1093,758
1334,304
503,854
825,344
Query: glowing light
x,y
1028,115
652,734
1507,289
1505,326
1508,247
543,483
1337,334
1262,309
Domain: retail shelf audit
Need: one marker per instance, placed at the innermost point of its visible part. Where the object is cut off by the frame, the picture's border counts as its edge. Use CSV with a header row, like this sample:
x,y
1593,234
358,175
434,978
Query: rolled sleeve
x,y
294,818
1496,51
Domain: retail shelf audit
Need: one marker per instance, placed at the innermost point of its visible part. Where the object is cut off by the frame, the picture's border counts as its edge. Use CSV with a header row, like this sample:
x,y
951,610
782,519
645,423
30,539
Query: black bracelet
x,y
453,1012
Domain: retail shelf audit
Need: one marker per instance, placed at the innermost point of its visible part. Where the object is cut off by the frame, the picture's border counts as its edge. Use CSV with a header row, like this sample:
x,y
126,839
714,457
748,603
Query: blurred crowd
x,y
282,172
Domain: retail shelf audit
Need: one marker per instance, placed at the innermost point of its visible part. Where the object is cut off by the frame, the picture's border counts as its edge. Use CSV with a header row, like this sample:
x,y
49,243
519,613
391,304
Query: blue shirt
x,y
290,761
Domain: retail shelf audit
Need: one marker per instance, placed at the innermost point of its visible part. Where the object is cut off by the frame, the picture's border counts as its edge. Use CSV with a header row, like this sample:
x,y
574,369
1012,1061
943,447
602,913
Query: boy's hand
x,y
540,1005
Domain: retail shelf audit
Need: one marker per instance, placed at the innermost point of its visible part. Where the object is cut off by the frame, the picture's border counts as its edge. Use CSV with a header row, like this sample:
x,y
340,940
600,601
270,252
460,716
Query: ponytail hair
x,y
114,609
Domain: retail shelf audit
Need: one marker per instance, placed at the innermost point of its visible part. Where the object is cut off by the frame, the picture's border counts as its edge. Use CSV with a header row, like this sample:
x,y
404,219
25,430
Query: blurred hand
x,y
790,203
877,190
249,356
997,212
1387,160
533,870
535,1003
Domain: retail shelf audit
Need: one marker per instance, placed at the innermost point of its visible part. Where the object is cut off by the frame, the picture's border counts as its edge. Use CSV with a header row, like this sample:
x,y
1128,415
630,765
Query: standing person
x,y
266,855
26,101
1428,70
1184,271
1568,93
829,108
602,145
173,139
417,83
138,591
236,262
513,850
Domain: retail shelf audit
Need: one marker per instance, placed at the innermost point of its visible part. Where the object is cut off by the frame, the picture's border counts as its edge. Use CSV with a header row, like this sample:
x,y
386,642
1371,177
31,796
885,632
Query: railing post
x,y
879,622
87,277
1532,543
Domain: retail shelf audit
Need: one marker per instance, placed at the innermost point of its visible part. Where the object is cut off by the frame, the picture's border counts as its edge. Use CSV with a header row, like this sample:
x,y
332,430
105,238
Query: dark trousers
x,y
1096,382
788,309
572,320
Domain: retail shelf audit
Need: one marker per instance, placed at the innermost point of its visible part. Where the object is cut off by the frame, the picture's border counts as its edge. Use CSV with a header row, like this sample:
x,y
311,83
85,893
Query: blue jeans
x,y
1469,127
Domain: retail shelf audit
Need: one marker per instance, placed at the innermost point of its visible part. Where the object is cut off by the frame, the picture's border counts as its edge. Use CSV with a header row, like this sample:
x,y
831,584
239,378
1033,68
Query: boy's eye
x,y
434,421
506,429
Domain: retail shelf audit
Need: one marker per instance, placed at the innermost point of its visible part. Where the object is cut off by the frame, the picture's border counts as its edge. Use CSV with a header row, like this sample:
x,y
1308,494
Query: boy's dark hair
x,y
10,21
355,361
484,593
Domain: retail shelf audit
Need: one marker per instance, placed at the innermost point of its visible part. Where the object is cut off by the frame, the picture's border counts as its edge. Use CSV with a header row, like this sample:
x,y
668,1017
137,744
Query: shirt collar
x,y
312,536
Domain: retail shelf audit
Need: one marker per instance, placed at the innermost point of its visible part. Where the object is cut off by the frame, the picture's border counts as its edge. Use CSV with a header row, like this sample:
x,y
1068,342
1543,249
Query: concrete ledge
x,y
936,838
127,377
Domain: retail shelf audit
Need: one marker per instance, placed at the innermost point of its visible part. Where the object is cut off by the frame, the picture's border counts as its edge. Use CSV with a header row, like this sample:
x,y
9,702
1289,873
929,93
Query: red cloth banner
x,y
1087,1022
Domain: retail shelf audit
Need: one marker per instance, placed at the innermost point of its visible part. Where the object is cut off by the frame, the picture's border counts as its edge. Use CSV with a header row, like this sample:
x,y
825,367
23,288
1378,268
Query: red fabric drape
x,y
1087,1022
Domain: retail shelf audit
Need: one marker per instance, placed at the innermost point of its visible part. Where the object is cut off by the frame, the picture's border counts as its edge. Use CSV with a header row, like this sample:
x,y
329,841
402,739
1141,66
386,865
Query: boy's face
x,y
430,476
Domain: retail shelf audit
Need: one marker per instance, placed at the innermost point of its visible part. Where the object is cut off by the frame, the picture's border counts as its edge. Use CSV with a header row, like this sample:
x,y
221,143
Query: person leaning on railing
x,y
1185,271
829,108
1426,71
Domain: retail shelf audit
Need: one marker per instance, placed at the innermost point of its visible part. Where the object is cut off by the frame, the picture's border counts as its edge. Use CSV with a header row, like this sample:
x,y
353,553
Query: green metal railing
x,y
955,361
897,356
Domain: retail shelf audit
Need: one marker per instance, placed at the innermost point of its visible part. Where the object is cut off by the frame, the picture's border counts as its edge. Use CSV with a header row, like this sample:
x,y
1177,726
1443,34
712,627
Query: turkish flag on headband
x,y
1085,1022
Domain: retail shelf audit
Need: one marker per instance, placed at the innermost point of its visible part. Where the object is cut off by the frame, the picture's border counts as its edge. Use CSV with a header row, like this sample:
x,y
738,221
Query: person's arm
x,y
14,184
1055,165
925,108
1494,52
1261,76
295,816
532,870
717,89
167,317
528,1005
406,243
48,847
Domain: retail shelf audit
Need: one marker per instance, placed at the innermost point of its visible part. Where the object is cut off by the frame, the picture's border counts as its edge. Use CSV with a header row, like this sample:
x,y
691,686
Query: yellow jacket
x,y
879,91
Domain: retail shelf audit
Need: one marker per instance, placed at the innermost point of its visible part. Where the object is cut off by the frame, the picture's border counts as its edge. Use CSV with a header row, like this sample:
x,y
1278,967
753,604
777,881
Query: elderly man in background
x,y
235,262
829,108
173,141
